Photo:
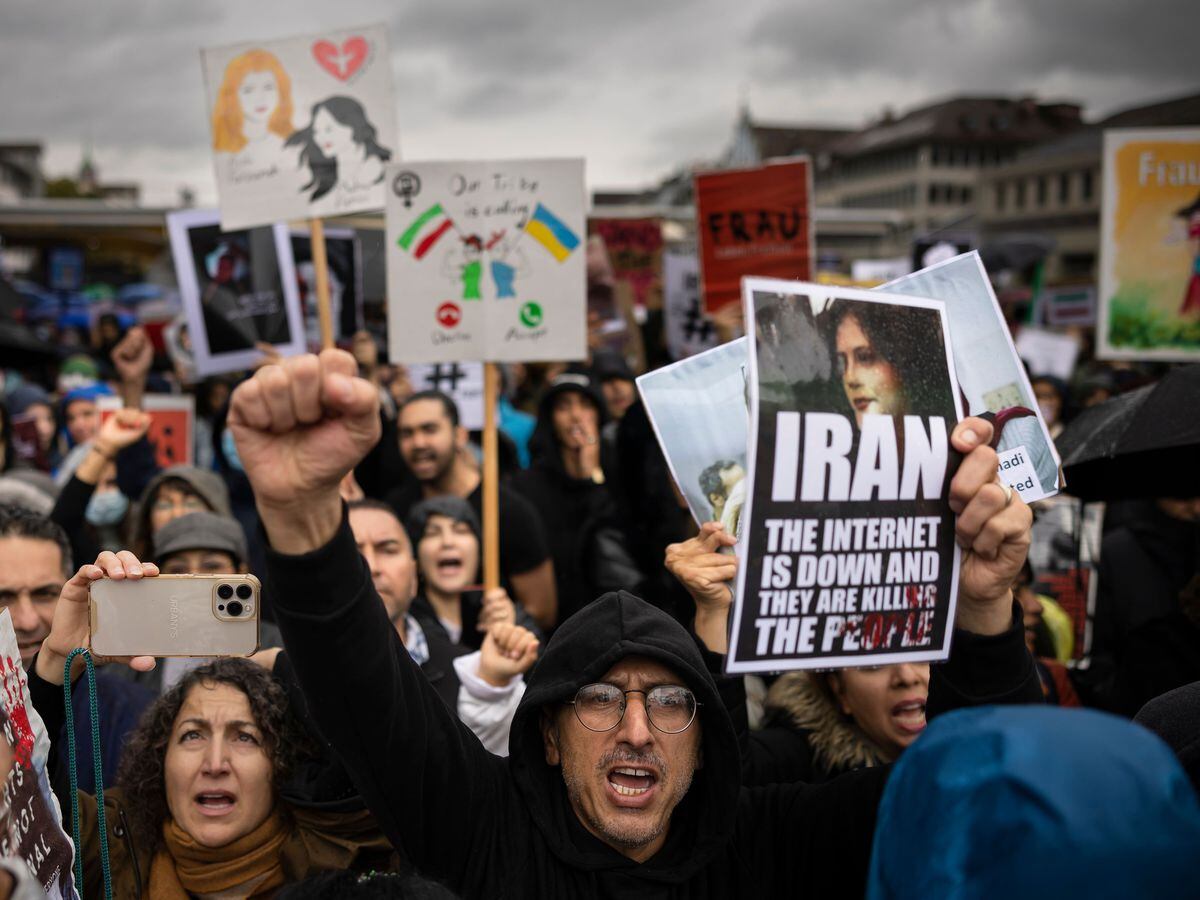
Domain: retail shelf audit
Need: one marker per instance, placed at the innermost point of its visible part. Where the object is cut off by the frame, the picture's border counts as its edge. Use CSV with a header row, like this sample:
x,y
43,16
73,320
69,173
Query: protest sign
x,y
1150,245
635,250
754,222
301,127
1068,305
238,289
847,549
172,417
27,443
689,330
344,255
697,408
32,828
486,261
1047,352
870,272
991,377
461,382
928,251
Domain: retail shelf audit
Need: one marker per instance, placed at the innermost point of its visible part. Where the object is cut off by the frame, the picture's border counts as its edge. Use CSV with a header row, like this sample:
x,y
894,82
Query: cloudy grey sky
x,y
636,86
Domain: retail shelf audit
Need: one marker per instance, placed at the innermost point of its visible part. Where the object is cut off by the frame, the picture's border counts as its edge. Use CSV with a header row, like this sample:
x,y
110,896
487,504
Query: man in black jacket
x,y
653,806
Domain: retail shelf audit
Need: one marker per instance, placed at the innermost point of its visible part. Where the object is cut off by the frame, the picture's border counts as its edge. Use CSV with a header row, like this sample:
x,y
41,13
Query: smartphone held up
x,y
176,615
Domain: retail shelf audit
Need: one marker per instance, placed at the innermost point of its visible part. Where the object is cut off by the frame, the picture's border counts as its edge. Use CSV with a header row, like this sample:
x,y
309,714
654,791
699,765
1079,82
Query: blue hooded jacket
x,y
1035,802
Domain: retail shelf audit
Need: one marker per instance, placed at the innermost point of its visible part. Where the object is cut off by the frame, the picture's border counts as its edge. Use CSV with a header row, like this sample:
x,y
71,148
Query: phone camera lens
x,y
234,609
244,591
225,591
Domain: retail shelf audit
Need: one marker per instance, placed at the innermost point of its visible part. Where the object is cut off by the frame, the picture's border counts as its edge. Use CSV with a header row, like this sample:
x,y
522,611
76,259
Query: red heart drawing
x,y
341,64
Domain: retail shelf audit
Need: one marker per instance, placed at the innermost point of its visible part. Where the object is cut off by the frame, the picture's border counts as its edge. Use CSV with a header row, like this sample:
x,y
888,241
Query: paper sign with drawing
x,y
486,261
301,127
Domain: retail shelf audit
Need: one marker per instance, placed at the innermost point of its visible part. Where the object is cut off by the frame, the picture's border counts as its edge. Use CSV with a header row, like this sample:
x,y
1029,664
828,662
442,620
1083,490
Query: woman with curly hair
x,y
216,795
891,359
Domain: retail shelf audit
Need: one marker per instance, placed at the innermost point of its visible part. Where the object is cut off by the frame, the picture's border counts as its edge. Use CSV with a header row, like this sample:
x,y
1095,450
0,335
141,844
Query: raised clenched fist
x,y
301,425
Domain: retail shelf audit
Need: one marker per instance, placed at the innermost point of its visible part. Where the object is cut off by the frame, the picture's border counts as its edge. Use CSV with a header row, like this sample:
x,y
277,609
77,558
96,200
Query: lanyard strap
x,y
101,824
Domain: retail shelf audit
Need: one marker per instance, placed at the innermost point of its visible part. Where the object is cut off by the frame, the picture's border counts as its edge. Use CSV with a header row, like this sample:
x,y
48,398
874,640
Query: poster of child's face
x,y
301,127
238,289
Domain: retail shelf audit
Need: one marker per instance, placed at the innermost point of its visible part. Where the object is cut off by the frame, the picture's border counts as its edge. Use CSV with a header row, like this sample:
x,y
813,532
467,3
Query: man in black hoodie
x,y
651,807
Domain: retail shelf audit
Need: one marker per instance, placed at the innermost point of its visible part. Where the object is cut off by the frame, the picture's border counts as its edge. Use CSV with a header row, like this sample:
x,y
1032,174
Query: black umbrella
x,y
19,348
1145,443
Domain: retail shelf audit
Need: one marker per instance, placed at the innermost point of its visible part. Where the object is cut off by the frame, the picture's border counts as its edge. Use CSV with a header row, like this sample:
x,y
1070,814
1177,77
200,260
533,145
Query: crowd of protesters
x,y
403,732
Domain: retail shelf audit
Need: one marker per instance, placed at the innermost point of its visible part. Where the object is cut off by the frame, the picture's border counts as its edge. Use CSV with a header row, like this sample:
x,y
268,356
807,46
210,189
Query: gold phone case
x,y
175,615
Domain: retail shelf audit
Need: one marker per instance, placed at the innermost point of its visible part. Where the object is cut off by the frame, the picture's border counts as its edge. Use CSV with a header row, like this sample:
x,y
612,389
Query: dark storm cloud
x,y
985,45
638,87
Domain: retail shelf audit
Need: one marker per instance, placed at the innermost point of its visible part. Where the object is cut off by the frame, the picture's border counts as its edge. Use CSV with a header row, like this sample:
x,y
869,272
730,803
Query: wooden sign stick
x,y
491,478
321,267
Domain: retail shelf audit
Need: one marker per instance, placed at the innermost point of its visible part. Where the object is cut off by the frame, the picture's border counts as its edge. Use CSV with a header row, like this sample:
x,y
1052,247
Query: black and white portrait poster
x,y
238,290
343,255
847,539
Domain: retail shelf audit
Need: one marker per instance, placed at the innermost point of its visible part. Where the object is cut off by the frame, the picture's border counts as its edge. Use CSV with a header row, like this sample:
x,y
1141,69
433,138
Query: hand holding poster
x,y
301,127
848,552
754,222
990,374
238,290
486,261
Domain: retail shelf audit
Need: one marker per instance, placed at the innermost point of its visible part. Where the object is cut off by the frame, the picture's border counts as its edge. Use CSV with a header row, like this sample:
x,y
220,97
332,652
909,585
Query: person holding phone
x,y
212,797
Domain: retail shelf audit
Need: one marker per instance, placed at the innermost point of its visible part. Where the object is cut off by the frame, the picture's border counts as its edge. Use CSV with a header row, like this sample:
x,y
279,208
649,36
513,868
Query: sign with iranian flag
x,y
486,261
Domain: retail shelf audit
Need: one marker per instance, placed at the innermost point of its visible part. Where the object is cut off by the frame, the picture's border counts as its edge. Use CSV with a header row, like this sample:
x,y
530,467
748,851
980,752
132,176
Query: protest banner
x,y
1047,352
461,382
172,419
344,255
1068,305
238,289
27,443
1150,245
486,261
635,249
689,330
754,222
301,127
684,401
929,250
871,272
847,550
32,828
991,377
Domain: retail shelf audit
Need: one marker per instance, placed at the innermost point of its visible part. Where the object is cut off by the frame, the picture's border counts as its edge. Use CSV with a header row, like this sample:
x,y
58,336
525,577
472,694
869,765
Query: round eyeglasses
x,y
601,707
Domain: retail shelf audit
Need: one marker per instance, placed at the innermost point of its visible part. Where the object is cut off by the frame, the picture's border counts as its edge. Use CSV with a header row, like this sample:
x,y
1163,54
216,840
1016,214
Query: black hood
x,y
585,647
544,442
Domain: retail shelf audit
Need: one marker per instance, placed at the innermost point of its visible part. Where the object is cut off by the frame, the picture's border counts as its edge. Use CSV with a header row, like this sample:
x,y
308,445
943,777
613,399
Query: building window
x,y
1020,198
1088,185
966,194
1041,191
1001,195
1064,188
933,194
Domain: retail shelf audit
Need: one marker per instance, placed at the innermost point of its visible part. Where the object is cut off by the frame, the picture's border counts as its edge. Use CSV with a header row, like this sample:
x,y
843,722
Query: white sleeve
x,y
484,708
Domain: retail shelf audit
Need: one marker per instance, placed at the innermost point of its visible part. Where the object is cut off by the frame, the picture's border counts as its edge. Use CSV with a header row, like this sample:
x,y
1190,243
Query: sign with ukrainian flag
x,y
486,261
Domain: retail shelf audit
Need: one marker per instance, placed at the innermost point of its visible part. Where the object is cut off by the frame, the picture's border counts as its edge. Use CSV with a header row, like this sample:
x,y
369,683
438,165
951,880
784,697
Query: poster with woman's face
x,y
239,291
847,536
300,127
698,410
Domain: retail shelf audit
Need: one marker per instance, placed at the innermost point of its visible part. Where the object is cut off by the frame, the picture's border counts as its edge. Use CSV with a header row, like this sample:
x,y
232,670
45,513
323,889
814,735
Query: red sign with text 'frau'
x,y
754,222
